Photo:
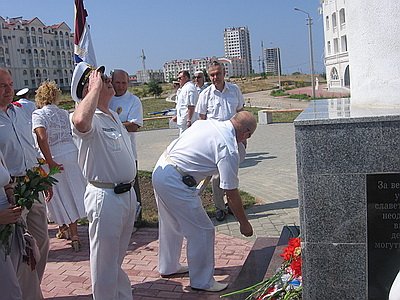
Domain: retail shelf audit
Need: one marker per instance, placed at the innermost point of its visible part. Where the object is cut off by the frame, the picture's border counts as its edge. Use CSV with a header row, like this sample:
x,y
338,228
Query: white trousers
x,y
181,215
9,285
111,219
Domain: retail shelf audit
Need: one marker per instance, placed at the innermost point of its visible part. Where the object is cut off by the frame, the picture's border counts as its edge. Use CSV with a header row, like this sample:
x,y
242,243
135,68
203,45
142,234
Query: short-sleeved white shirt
x,y
129,109
105,152
206,148
220,105
186,96
55,121
16,140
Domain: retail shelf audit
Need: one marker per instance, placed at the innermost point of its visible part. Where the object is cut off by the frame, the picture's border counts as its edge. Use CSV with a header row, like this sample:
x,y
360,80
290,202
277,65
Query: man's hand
x,y
236,206
10,215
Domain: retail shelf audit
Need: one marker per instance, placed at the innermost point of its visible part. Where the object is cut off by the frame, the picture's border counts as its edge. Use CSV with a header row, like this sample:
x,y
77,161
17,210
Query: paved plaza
x,y
268,173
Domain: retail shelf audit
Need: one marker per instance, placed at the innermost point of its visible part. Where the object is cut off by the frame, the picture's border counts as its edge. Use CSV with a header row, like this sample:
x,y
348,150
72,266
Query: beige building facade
x,y
34,52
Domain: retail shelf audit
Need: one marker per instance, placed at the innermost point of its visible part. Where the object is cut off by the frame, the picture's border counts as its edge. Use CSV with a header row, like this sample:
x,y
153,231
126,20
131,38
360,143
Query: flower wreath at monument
x,y
285,284
26,192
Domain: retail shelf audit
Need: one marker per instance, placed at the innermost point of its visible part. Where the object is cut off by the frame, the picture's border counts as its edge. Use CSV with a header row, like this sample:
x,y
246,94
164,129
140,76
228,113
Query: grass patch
x,y
300,96
278,93
149,206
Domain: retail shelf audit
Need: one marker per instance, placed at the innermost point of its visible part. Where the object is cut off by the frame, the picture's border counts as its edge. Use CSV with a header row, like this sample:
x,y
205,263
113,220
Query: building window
x,y
335,46
25,72
24,61
26,82
334,74
327,22
343,42
334,23
342,16
21,40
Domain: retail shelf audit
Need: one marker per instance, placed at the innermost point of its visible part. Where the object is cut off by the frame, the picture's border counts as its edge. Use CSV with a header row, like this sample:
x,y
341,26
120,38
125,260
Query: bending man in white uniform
x,y
206,148
108,163
220,101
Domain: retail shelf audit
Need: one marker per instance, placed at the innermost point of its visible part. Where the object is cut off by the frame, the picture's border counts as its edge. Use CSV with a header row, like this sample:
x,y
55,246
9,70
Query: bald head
x,y
245,124
120,81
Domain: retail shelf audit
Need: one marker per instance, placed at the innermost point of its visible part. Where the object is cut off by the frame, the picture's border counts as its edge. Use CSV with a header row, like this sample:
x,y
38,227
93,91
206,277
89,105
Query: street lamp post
x,y
309,23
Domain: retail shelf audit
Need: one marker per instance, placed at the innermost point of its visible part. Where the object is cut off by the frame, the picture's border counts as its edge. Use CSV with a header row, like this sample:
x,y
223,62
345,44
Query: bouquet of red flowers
x,y
26,192
285,284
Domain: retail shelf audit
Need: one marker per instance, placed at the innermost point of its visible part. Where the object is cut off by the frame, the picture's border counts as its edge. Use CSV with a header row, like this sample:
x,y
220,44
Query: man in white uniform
x,y
108,163
220,101
186,102
28,105
130,111
206,148
17,145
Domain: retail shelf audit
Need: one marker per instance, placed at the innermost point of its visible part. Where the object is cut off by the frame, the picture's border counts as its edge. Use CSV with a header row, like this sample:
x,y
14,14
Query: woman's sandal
x,y
75,243
63,232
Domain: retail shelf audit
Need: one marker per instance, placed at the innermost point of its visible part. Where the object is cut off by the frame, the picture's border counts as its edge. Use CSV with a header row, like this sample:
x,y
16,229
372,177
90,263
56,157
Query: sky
x,y
182,29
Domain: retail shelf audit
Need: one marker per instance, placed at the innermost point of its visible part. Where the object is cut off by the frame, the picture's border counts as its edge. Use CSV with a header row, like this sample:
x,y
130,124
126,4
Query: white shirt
x,y
220,105
55,121
206,148
105,152
16,140
186,96
129,109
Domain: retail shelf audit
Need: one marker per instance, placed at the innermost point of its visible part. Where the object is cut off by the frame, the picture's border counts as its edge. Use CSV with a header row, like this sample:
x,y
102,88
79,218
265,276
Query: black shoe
x,y
220,215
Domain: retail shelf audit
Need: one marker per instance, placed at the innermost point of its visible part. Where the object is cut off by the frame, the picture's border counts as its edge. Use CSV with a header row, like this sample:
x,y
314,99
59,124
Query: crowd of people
x,y
95,150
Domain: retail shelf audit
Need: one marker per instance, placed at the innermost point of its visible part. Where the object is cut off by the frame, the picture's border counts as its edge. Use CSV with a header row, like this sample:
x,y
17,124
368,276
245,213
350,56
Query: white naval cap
x,y
80,77
22,92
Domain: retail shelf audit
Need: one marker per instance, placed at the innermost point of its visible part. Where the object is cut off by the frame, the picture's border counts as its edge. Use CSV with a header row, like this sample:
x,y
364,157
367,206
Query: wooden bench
x,y
265,115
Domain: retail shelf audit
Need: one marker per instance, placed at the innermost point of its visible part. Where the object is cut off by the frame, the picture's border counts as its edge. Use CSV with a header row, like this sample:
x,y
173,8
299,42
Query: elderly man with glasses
x,y
108,163
199,81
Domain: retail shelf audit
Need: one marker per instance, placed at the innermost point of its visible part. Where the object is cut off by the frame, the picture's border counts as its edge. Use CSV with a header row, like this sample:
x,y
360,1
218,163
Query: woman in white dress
x,y
9,214
53,132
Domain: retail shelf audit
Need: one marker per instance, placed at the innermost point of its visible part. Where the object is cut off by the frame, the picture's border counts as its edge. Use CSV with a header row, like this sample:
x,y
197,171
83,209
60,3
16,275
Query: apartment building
x,y
34,52
272,58
145,76
237,48
335,38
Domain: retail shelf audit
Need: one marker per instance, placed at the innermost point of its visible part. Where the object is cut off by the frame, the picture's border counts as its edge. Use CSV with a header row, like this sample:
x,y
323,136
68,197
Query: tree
x,y
154,88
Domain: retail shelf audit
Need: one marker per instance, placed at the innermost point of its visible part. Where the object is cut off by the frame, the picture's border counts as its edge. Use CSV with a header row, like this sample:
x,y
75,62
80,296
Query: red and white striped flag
x,y
83,48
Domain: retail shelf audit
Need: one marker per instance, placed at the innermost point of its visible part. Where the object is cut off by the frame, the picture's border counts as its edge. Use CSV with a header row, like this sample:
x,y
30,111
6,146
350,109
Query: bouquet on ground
x,y
26,192
285,284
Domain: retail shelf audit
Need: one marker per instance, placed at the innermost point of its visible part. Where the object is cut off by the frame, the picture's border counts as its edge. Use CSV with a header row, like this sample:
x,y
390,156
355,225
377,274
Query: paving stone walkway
x,y
268,173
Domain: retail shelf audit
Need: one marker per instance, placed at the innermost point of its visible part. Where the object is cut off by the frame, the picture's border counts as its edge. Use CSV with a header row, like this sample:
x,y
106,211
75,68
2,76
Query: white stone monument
x,y
344,148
